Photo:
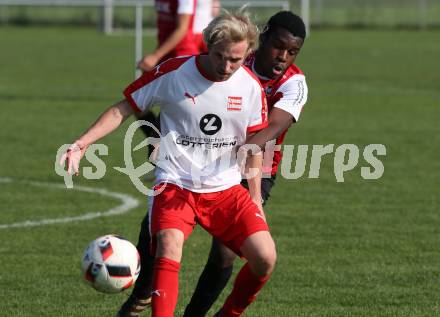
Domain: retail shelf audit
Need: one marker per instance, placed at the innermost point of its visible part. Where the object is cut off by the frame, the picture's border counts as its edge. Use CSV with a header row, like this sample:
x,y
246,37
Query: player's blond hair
x,y
231,28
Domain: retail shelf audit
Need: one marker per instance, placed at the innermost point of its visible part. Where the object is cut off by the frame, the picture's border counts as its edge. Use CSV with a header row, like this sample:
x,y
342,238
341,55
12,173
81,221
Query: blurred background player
x,y
206,10
175,37
286,92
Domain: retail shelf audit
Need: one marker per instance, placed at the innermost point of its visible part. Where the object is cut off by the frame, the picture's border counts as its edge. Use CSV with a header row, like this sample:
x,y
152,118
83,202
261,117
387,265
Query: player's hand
x,y
148,62
72,157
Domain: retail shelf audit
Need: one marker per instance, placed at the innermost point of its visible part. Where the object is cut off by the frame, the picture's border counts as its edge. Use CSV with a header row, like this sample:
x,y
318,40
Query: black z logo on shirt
x,y
210,124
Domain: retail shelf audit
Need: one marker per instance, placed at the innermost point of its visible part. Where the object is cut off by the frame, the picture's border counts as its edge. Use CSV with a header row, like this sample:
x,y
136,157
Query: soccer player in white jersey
x,y
286,91
210,104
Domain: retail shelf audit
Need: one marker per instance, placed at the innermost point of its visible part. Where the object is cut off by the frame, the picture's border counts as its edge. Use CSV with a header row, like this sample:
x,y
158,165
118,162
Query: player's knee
x,y
264,262
259,249
170,244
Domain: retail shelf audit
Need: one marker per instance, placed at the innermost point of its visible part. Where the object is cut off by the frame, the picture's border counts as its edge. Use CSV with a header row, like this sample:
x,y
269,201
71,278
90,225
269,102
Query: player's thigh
x,y
173,208
172,220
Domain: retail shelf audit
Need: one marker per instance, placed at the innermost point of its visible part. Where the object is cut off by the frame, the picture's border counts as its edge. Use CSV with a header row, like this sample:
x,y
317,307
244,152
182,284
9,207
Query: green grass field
x,y
358,248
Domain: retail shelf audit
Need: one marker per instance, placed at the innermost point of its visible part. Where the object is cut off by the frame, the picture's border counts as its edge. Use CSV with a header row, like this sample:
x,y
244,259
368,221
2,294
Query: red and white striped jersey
x,y
202,122
288,92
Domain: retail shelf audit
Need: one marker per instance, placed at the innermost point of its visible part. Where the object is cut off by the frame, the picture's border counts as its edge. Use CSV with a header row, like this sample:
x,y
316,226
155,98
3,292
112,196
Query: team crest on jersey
x,y
234,103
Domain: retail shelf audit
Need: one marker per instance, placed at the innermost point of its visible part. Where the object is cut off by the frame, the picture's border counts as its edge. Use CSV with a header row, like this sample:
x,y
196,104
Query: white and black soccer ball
x,y
110,264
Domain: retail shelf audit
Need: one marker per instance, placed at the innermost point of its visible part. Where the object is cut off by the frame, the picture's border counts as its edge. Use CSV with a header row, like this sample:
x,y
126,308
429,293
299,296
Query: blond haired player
x,y
215,103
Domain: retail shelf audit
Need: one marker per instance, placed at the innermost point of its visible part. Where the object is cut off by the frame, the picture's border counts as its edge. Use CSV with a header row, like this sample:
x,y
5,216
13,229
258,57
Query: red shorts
x,y
229,215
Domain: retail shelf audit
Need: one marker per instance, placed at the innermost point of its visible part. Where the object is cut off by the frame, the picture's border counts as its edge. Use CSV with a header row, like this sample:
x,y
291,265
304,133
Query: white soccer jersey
x,y
203,15
185,7
202,122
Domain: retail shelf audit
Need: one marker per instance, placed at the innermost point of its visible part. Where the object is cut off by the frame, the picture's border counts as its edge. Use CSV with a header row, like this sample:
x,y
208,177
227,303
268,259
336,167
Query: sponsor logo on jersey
x,y
234,103
206,143
210,124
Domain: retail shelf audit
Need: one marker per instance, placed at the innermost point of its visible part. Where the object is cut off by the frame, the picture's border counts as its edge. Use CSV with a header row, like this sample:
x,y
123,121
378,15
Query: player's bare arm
x,y
107,122
279,120
149,61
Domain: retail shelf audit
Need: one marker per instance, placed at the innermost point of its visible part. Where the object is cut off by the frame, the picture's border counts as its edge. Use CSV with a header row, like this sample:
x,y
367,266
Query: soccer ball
x,y
110,264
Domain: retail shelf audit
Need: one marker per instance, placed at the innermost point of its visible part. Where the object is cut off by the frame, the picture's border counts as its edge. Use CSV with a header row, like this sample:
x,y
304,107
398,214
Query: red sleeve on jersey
x,y
264,122
147,77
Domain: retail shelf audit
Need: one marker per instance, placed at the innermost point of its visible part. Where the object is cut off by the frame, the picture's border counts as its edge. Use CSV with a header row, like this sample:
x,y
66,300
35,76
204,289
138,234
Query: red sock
x,y
165,287
246,287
